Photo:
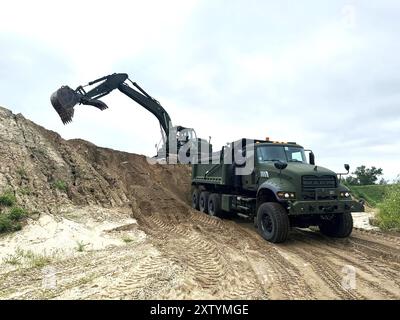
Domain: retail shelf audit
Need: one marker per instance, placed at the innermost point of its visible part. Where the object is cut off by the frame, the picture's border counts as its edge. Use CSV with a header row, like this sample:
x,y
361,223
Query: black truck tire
x,y
203,201
340,226
214,205
195,198
273,222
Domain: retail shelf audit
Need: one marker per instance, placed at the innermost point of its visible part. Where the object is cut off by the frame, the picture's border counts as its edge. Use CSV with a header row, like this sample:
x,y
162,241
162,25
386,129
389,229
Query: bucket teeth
x,y
63,101
66,114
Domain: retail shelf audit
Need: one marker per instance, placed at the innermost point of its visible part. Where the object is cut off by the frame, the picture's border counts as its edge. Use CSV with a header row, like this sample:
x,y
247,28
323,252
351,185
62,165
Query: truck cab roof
x,y
268,142
278,143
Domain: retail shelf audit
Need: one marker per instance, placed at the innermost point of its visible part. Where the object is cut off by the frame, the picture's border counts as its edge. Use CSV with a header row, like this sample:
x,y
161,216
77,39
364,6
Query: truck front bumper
x,y
324,207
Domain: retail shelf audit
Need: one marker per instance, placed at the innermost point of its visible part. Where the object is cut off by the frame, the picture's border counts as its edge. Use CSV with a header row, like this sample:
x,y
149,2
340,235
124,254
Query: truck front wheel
x,y
203,201
273,222
340,226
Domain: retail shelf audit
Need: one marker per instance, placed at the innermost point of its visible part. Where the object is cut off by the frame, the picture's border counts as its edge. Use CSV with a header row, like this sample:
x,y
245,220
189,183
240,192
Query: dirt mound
x,y
113,226
46,172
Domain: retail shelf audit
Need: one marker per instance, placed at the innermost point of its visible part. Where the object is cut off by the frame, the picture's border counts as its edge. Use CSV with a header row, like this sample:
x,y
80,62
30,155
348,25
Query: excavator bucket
x,y
65,99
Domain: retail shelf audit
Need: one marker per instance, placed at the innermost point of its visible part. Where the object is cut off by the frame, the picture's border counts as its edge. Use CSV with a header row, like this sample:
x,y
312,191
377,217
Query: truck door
x,y
249,181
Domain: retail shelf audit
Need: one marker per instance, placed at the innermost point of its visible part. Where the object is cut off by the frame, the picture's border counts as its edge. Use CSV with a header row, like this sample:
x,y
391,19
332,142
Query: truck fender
x,y
267,193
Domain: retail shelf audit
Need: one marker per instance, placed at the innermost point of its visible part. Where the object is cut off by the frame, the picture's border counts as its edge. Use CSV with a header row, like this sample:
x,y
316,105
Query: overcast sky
x,y
322,73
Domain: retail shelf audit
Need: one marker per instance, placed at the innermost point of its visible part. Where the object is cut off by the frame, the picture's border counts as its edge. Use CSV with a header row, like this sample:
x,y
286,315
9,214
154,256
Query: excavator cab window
x,y
186,135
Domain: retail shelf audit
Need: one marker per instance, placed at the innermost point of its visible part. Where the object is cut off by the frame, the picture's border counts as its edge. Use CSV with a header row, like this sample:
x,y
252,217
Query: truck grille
x,y
310,183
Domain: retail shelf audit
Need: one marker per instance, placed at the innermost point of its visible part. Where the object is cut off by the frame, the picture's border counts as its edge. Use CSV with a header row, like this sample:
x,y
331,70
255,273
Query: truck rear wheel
x,y
203,201
214,205
340,226
195,198
273,222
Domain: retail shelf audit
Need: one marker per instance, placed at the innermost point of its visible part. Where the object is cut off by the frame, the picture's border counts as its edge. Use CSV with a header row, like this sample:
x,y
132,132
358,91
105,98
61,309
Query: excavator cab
x,y
185,134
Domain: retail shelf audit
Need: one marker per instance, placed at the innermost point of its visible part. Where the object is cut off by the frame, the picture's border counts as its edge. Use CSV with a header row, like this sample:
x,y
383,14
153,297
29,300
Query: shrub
x,y
389,210
11,221
7,199
17,226
17,214
372,194
6,225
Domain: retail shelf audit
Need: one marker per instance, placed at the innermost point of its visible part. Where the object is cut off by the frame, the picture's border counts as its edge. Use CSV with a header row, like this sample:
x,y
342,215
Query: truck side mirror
x,y
347,167
312,158
280,165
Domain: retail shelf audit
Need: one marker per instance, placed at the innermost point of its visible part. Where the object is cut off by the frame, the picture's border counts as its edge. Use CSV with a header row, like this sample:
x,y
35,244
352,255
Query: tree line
x,y
363,176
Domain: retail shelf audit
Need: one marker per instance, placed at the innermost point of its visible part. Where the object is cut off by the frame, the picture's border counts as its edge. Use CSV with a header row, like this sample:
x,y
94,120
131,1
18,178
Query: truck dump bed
x,y
219,168
212,173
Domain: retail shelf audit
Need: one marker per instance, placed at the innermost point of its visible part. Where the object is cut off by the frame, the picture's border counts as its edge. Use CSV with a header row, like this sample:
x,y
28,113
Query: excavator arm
x,y
65,99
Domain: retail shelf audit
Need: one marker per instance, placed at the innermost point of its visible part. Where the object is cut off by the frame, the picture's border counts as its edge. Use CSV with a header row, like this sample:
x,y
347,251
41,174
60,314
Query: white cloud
x,y
319,73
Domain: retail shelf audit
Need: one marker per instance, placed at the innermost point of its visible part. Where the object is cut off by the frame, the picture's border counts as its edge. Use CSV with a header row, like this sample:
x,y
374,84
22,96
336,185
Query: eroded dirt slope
x,y
122,229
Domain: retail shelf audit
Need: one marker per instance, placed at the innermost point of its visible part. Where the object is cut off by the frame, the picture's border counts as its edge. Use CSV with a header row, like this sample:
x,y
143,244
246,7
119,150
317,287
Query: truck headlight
x,y
284,195
345,194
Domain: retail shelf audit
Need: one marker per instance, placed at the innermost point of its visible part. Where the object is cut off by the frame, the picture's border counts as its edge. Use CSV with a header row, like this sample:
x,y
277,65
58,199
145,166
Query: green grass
x,y
388,217
7,199
37,260
60,185
127,239
9,224
81,246
12,259
372,194
25,191
22,172
6,224
28,257
10,218
17,214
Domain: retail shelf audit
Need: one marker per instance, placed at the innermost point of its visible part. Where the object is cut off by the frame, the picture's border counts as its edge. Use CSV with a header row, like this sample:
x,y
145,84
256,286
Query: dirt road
x,y
195,256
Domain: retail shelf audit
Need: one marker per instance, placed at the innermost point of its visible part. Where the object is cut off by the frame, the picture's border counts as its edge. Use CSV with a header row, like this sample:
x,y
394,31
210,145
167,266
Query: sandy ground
x,y
361,220
63,235
122,229
191,256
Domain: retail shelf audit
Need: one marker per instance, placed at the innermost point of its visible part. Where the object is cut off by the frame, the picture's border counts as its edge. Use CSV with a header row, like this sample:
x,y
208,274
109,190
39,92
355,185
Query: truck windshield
x,y
281,153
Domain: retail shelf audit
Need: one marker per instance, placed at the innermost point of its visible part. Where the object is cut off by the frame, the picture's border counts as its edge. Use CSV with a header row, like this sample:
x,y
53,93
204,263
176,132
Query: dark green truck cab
x,y
276,185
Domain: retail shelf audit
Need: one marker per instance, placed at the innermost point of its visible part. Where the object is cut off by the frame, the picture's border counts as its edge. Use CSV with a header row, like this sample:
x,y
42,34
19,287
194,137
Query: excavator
x,y
173,137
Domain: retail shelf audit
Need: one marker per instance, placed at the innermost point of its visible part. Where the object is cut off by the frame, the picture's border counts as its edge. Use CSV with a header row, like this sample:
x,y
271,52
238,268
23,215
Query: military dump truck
x,y
275,184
